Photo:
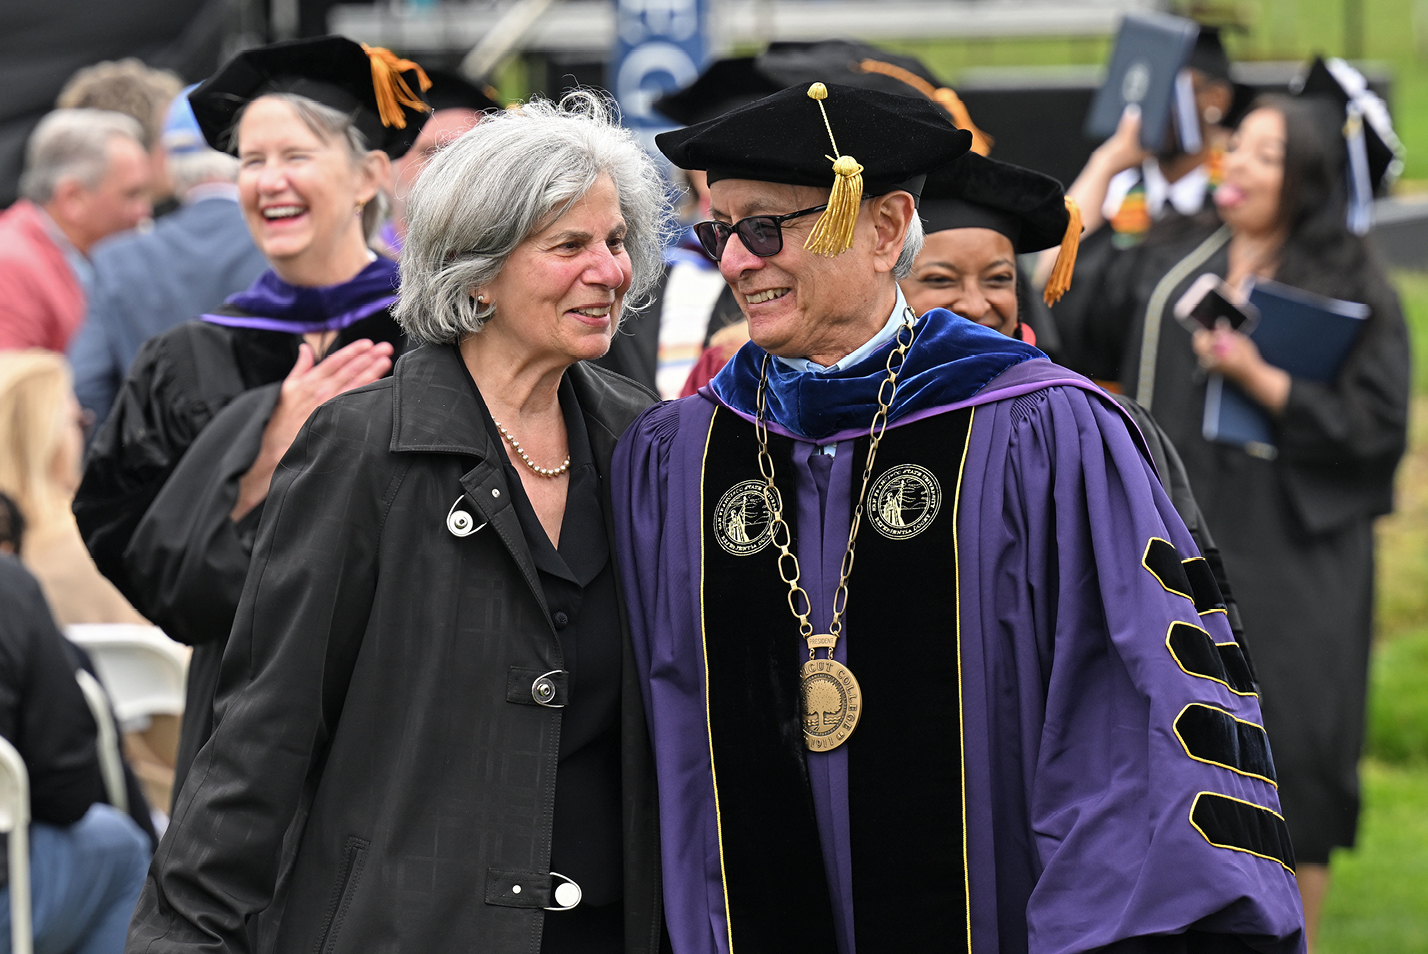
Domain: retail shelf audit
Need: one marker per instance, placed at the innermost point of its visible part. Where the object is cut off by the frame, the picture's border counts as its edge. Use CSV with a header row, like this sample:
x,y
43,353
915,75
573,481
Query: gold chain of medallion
x,y
827,734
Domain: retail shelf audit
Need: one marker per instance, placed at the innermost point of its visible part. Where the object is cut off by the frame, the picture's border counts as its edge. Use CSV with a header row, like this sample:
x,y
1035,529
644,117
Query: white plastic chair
x,y
15,822
143,670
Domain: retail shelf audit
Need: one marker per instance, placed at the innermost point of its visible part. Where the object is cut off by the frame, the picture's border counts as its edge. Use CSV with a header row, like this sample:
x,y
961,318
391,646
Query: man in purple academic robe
x,y
1025,725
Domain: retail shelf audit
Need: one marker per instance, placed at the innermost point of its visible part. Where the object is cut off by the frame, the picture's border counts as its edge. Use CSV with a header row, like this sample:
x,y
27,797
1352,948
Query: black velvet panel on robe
x,y
909,877
773,862
1199,655
1230,823
1213,735
905,798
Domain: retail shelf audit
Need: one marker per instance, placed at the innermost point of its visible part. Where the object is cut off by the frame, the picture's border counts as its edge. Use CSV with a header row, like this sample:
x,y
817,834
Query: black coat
x,y
380,777
162,477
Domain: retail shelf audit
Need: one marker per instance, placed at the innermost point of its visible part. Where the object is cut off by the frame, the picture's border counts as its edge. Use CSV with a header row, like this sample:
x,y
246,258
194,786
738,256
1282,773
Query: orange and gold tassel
x,y
1060,280
391,87
941,95
833,233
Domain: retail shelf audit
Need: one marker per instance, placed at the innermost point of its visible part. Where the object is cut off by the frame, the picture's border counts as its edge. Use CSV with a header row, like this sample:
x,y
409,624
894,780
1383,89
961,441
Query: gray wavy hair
x,y
492,188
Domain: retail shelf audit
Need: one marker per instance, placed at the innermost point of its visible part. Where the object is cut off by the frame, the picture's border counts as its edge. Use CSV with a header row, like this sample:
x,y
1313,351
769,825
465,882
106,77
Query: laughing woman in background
x,y
175,481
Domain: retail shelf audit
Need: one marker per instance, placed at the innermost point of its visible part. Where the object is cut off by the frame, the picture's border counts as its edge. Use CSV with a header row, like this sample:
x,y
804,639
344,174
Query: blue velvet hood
x,y
950,360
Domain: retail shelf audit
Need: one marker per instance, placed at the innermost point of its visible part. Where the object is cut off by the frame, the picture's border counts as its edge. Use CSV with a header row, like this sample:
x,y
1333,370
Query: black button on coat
x,y
371,784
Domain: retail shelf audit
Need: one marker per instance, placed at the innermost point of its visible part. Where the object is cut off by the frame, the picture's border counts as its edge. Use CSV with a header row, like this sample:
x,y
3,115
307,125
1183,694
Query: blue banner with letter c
x,y
660,46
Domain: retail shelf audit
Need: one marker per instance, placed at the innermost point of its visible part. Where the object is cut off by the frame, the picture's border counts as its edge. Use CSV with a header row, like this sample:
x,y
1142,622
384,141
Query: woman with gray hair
x,y
430,736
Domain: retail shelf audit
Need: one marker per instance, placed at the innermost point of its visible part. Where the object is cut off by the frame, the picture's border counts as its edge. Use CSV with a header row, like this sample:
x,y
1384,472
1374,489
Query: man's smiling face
x,y
800,304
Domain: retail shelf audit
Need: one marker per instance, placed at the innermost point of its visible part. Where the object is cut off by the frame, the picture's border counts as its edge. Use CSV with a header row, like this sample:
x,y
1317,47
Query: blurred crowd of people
x,y
192,272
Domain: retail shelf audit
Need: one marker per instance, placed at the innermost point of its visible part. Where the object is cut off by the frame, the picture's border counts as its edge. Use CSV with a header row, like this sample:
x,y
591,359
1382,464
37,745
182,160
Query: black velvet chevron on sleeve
x,y
1199,655
1214,735
1241,826
1163,561
1203,587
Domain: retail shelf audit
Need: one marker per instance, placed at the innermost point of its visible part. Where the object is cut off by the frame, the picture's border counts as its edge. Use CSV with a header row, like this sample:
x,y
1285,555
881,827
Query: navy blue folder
x,y
1307,335
1150,50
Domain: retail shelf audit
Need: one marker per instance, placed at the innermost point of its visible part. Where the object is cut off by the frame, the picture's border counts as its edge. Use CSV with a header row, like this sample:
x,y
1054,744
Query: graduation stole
x,y
905,774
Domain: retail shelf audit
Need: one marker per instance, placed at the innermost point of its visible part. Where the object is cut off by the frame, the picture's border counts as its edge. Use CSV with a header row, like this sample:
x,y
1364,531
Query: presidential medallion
x,y
832,703
743,524
904,501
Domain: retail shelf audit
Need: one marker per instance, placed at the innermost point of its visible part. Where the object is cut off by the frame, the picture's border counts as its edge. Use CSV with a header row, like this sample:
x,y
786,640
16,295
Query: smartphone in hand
x,y
1209,301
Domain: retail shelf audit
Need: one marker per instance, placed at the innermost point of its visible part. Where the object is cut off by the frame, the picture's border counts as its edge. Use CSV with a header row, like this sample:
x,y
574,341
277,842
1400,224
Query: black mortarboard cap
x,y
381,92
1208,54
1209,57
976,192
1029,208
887,142
1337,82
451,90
730,83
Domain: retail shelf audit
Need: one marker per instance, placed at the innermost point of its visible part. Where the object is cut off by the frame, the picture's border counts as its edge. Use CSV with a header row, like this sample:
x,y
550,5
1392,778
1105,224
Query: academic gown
x,y
1295,533
1077,817
162,475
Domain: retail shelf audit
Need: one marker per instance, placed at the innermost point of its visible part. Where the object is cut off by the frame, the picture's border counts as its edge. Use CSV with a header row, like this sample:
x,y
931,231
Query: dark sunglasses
x,y
761,234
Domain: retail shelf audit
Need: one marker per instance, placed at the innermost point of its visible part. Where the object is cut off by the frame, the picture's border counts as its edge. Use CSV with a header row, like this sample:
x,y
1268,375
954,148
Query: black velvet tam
x,y
976,192
730,83
1380,141
782,138
726,84
451,90
332,70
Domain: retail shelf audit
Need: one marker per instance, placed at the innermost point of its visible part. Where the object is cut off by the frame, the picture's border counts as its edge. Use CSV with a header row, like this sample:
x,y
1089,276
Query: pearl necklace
x,y
516,445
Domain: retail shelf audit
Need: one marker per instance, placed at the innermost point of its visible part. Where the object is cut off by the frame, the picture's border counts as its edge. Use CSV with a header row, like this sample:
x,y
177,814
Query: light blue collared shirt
x,y
884,335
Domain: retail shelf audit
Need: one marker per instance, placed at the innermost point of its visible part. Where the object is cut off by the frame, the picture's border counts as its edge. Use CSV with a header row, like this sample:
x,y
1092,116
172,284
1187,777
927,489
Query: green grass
x,y
1377,902
1413,292
1398,711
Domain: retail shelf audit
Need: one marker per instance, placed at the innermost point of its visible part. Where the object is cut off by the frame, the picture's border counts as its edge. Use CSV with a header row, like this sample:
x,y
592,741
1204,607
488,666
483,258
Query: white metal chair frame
x,y
15,821
111,760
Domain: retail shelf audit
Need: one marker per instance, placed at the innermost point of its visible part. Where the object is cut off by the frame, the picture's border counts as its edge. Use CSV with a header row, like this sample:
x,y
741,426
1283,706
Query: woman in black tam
x,y
176,479
979,215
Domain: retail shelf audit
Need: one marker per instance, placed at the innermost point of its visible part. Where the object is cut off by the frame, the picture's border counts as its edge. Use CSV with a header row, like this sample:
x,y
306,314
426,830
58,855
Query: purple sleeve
x,y
656,487
1110,785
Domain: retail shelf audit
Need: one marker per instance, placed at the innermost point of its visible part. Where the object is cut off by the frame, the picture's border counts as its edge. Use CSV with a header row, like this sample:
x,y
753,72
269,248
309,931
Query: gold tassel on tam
x,y
941,95
391,87
1060,279
833,233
